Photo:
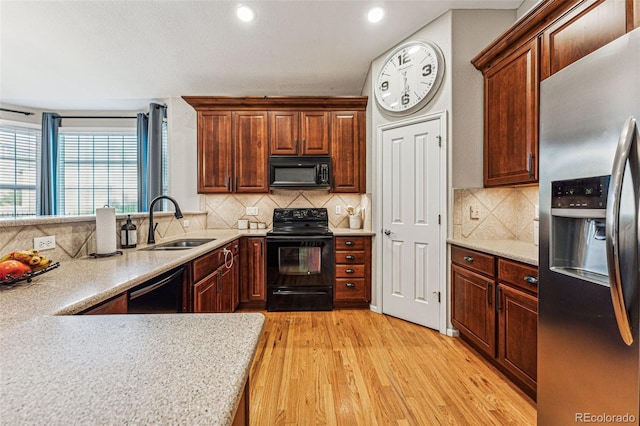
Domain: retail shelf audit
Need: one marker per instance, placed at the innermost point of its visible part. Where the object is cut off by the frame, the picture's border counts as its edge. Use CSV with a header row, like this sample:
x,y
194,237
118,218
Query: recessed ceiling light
x,y
375,15
245,13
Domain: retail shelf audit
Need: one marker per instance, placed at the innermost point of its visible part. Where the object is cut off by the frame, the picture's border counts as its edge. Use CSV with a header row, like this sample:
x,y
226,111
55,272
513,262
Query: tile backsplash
x,y
75,236
224,210
504,213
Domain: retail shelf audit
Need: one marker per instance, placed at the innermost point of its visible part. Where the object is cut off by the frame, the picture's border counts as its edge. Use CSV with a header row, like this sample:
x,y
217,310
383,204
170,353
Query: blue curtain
x,y
150,156
143,142
47,182
157,113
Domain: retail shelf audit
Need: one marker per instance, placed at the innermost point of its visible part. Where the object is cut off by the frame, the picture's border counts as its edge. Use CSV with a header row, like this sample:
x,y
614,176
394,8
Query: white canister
x,y
243,224
354,221
253,225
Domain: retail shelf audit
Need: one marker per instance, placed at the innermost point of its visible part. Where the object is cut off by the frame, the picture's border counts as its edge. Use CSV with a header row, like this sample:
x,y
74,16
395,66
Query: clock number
x,y
403,59
384,86
427,70
405,99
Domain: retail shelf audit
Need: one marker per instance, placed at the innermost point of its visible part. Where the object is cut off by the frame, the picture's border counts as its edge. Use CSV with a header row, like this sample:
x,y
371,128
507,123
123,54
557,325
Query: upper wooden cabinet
x,y
236,136
299,133
511,118
347,151
251,151
550,37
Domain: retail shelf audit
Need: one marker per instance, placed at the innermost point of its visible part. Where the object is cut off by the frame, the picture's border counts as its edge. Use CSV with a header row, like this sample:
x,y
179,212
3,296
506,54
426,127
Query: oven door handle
x,y
293,292
298,237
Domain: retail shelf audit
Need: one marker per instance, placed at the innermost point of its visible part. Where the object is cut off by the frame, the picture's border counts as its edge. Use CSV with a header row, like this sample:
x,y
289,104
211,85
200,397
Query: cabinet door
x,y
254,279
214,151
314,132
473,311
235,296
283,132
511,118
251,151
117,305
518,334
225,289
583,30
347,151
205,294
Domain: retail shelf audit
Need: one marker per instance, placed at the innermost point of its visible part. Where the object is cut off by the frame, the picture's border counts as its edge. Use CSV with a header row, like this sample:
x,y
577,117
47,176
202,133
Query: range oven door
x,y
300,273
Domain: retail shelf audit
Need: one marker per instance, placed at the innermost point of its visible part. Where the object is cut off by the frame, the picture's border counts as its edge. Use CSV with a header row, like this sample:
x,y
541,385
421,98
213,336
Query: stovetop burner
x,y
300,221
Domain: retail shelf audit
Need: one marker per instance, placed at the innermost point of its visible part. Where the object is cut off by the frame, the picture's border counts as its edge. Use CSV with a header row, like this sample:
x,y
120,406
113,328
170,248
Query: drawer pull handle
x,y
349,243
468,259
531,280
349,257
350,285
349,271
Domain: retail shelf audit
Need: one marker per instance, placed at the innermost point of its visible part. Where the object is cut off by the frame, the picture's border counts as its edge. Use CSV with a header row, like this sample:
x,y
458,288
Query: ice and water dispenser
x,y
577,237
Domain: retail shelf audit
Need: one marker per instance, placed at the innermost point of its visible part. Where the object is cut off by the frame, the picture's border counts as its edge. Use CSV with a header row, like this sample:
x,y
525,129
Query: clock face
x,y
410,77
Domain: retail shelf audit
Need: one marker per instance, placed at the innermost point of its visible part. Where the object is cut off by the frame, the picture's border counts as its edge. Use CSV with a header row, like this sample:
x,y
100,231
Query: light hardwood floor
x,y
356,367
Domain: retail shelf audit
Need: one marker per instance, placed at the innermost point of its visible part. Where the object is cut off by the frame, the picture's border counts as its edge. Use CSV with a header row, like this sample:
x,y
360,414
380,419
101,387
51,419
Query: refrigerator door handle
x,y
628,151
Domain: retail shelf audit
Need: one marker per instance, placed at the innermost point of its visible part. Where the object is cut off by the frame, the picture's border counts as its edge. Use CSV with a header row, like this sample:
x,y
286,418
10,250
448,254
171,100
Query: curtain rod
x,y
95,116
16,111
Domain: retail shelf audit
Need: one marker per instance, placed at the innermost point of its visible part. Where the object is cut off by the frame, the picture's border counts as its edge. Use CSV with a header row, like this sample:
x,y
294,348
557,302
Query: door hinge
x,y
439,220
439,141
438,297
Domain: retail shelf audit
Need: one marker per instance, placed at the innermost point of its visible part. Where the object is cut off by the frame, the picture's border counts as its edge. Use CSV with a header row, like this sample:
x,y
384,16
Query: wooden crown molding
x,y
272,102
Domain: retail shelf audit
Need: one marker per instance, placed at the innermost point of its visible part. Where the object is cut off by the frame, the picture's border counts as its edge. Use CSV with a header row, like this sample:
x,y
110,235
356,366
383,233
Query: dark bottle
x,y
128,234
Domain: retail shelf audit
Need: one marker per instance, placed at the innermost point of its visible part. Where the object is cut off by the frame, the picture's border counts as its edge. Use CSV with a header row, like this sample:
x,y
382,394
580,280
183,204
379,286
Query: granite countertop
x,y
127,369
509,249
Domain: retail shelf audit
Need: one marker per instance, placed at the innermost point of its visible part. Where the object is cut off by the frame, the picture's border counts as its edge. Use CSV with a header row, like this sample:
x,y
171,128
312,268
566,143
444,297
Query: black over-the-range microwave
x,y
300,172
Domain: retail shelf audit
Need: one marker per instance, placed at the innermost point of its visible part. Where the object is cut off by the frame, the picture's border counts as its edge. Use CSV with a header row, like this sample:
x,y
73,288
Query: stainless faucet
x,y
152,226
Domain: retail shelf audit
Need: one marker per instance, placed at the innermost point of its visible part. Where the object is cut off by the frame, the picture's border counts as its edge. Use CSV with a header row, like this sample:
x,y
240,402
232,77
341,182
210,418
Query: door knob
x,y
387,232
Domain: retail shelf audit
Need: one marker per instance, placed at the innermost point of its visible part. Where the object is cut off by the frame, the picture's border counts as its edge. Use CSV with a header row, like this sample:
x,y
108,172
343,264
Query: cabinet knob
x,y
349,271
350,285
349,243
531,280
349,257
468,259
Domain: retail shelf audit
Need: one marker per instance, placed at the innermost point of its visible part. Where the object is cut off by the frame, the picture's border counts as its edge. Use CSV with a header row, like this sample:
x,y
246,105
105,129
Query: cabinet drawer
x,y
351,257
350,289
204,265
346,271
474,260
351,243
518,274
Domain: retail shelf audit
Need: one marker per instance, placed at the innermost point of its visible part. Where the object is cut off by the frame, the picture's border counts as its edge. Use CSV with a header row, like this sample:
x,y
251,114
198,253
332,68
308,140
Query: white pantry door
x,y
411,212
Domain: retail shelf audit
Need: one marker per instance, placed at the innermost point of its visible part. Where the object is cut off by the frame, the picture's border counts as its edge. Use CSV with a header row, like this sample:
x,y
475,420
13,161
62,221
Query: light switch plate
x,y
338,209
474,212
252,211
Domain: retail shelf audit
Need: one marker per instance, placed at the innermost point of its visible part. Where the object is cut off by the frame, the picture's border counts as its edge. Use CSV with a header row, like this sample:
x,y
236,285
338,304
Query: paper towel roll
x,y
105,230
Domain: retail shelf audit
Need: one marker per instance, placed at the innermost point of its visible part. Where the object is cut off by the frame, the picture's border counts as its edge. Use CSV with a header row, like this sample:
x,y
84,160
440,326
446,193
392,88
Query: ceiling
x,y
120,54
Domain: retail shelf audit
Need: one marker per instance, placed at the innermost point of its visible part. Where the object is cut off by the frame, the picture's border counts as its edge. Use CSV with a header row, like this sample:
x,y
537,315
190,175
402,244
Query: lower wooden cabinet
x,y
253,290
495,308
216,280
116,305
352,286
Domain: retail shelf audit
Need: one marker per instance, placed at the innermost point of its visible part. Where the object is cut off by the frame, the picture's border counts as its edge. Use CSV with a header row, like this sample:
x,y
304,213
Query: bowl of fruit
x,y
24,265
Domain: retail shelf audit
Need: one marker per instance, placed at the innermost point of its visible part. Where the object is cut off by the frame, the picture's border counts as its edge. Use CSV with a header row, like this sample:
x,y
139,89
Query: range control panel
x,y
585,193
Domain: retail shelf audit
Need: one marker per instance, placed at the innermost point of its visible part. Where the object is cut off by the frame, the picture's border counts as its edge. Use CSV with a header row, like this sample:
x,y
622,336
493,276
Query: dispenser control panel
x,y
584,193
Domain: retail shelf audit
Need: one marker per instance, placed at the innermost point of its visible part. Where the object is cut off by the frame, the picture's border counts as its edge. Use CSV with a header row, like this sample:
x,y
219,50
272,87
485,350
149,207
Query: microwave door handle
x,y
317,173
626,152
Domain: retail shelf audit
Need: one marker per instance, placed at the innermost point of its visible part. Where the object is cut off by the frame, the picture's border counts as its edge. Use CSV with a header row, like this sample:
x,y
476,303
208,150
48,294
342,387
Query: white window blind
x,y
97,169
18,157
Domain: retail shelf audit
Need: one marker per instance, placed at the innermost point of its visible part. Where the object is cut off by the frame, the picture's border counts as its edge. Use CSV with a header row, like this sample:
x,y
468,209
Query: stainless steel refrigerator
x,y
588,349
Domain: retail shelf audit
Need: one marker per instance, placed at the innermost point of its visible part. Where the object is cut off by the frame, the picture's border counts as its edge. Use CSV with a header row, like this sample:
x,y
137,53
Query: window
x,y
18,157
97,168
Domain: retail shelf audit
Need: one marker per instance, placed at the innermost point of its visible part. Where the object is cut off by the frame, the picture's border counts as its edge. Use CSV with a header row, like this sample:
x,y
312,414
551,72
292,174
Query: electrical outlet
x,y
44,243
185,223
338,209
474,212
252,211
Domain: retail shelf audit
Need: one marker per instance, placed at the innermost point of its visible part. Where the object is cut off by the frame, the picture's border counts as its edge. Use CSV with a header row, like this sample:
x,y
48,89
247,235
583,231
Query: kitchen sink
x,y
184,244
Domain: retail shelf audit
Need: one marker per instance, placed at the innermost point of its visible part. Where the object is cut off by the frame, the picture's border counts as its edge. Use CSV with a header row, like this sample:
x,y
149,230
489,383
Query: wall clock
x,y
409,78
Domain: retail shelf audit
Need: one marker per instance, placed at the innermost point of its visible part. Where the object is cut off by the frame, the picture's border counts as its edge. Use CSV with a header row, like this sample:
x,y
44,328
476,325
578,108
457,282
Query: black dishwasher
x,y
160,295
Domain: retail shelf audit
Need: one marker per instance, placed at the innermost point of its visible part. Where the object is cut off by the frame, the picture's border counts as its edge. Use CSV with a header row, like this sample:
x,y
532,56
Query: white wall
x,y
526,6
